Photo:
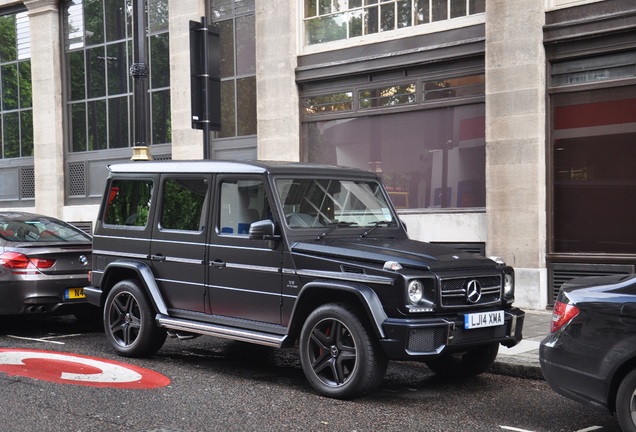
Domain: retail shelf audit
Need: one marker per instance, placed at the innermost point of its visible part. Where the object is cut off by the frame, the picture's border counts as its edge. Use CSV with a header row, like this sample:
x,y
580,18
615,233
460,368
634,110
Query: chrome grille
x,y
453,291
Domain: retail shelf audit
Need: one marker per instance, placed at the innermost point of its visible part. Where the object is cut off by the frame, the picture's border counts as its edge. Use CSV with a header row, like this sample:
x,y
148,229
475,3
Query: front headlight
x,y
509,286
415,291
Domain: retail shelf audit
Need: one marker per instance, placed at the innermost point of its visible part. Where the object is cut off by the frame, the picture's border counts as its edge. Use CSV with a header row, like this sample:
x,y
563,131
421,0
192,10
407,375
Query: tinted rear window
x,y
40,229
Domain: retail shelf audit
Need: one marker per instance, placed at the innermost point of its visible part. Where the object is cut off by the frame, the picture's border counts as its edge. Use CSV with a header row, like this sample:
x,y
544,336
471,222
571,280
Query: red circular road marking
x,y
67,368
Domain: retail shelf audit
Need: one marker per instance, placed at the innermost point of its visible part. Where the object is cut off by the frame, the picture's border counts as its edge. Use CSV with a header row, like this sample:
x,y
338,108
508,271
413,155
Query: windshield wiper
x,y
374,226
333,225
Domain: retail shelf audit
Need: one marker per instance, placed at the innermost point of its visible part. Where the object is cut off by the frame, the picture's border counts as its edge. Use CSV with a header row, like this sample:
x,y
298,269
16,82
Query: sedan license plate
x,y
74,293
483,319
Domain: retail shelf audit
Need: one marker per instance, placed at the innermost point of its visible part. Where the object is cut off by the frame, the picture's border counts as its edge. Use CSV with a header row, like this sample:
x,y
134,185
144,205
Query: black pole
x,y
206,89
205,80
139,74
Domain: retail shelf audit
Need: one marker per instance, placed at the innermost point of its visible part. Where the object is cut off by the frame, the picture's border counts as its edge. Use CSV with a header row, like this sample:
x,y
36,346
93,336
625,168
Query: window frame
x,y
107,135
418,77
417,23
203,214
23,137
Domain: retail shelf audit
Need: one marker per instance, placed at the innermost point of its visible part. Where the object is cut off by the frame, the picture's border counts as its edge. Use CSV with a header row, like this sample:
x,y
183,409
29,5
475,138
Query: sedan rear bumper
x,y
579,385
50,295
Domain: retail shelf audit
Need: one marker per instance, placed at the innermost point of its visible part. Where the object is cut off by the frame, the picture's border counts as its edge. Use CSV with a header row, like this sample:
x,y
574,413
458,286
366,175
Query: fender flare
x,y
368,299
146,277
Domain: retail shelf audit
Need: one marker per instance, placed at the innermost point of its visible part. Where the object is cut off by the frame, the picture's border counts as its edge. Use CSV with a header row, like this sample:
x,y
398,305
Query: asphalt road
x,y
222,385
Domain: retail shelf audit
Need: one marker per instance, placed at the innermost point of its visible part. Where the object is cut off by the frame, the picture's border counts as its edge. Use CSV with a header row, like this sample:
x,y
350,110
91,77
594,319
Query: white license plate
x,y
483,319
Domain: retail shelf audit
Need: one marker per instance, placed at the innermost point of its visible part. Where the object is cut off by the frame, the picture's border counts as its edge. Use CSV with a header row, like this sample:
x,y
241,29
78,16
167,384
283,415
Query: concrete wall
x,y
515,143
277,94
447,227
48,119
187,143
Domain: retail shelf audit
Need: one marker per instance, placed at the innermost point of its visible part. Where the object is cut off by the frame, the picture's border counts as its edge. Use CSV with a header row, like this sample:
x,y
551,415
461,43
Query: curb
x,y
517,369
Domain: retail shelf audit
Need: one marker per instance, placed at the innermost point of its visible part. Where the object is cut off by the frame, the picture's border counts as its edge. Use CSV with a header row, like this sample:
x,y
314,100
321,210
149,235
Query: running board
x,y
220,331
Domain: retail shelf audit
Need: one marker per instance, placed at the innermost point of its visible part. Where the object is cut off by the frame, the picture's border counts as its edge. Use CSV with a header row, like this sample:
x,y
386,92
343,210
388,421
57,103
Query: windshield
x,y
318,203
39,229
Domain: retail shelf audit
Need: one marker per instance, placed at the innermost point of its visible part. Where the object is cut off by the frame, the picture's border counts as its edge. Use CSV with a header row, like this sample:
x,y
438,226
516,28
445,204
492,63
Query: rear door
x,y
244,275
126,222
177,253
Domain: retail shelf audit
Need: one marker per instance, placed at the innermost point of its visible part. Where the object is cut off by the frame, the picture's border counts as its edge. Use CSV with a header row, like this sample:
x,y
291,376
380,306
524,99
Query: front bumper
x,y
423,339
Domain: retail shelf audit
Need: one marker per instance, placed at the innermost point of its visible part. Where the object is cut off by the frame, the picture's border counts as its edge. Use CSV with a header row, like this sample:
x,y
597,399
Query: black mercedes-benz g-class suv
x,y
282,253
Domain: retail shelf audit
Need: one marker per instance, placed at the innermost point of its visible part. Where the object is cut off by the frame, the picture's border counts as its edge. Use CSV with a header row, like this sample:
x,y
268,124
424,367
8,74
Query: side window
x,y
182,204
128,203
242,202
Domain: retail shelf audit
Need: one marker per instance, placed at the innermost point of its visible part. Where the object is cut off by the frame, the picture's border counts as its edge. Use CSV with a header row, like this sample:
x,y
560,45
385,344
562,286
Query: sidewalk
x,y
522,360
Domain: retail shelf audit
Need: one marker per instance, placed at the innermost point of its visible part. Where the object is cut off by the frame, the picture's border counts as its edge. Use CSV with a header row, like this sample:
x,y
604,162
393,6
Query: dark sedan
x,y
590,355
44,265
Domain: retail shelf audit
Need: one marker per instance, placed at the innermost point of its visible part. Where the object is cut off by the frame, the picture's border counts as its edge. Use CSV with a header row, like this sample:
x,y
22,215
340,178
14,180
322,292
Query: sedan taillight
x,y
18,261
562,313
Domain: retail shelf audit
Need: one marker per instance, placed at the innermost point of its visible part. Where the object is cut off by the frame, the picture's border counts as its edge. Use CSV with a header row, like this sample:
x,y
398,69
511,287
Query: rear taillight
x,y
18,261
562,313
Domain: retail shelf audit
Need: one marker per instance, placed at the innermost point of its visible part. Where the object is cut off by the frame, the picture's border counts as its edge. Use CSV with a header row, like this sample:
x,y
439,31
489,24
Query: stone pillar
x,y
48,109
277,94
515,143
187,143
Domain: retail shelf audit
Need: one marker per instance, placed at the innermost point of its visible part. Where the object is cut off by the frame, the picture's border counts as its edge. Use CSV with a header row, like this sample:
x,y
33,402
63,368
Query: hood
x,y
409,253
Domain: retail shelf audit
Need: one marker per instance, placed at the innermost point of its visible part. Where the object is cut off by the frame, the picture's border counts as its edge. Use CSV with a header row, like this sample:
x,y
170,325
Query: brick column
x,y
46,75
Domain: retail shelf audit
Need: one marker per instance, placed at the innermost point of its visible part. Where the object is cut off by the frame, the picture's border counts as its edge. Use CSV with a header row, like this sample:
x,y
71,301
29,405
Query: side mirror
x,y
263,230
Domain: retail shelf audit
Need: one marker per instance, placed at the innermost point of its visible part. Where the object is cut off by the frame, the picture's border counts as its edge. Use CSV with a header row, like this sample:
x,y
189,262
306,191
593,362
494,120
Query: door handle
x,y
217,263
158,257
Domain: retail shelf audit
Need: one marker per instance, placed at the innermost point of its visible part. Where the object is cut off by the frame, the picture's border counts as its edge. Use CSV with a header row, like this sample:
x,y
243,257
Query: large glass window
x,y
594,183
235,21
99,50
430,153
182,204
242,203
311,203
128,203
16,113
331,20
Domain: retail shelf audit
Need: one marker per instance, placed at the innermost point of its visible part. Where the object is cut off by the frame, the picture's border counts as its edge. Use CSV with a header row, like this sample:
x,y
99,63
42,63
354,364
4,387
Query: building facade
x,y
499,127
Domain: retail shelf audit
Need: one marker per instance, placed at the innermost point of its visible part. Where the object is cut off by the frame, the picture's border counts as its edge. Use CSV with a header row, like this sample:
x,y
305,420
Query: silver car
x,y
44,265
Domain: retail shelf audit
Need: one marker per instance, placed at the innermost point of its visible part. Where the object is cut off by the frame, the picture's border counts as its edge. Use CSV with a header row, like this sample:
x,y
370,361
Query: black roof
x,y
234,167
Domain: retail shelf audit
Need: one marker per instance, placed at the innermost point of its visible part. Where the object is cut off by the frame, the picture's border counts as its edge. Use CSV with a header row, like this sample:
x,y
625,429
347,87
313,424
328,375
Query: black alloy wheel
x,y
129,321
339,357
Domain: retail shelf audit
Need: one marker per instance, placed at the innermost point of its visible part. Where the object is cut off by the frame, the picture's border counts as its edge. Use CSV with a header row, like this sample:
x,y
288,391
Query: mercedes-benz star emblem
x,y
473,291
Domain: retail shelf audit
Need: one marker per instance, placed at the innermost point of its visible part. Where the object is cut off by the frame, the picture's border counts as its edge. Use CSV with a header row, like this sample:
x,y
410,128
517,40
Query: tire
x,y
626,403
129,321
339,356
465,364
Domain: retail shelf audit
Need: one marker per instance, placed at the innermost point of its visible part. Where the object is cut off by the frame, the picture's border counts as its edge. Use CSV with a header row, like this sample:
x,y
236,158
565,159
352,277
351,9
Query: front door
x,y
244,275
